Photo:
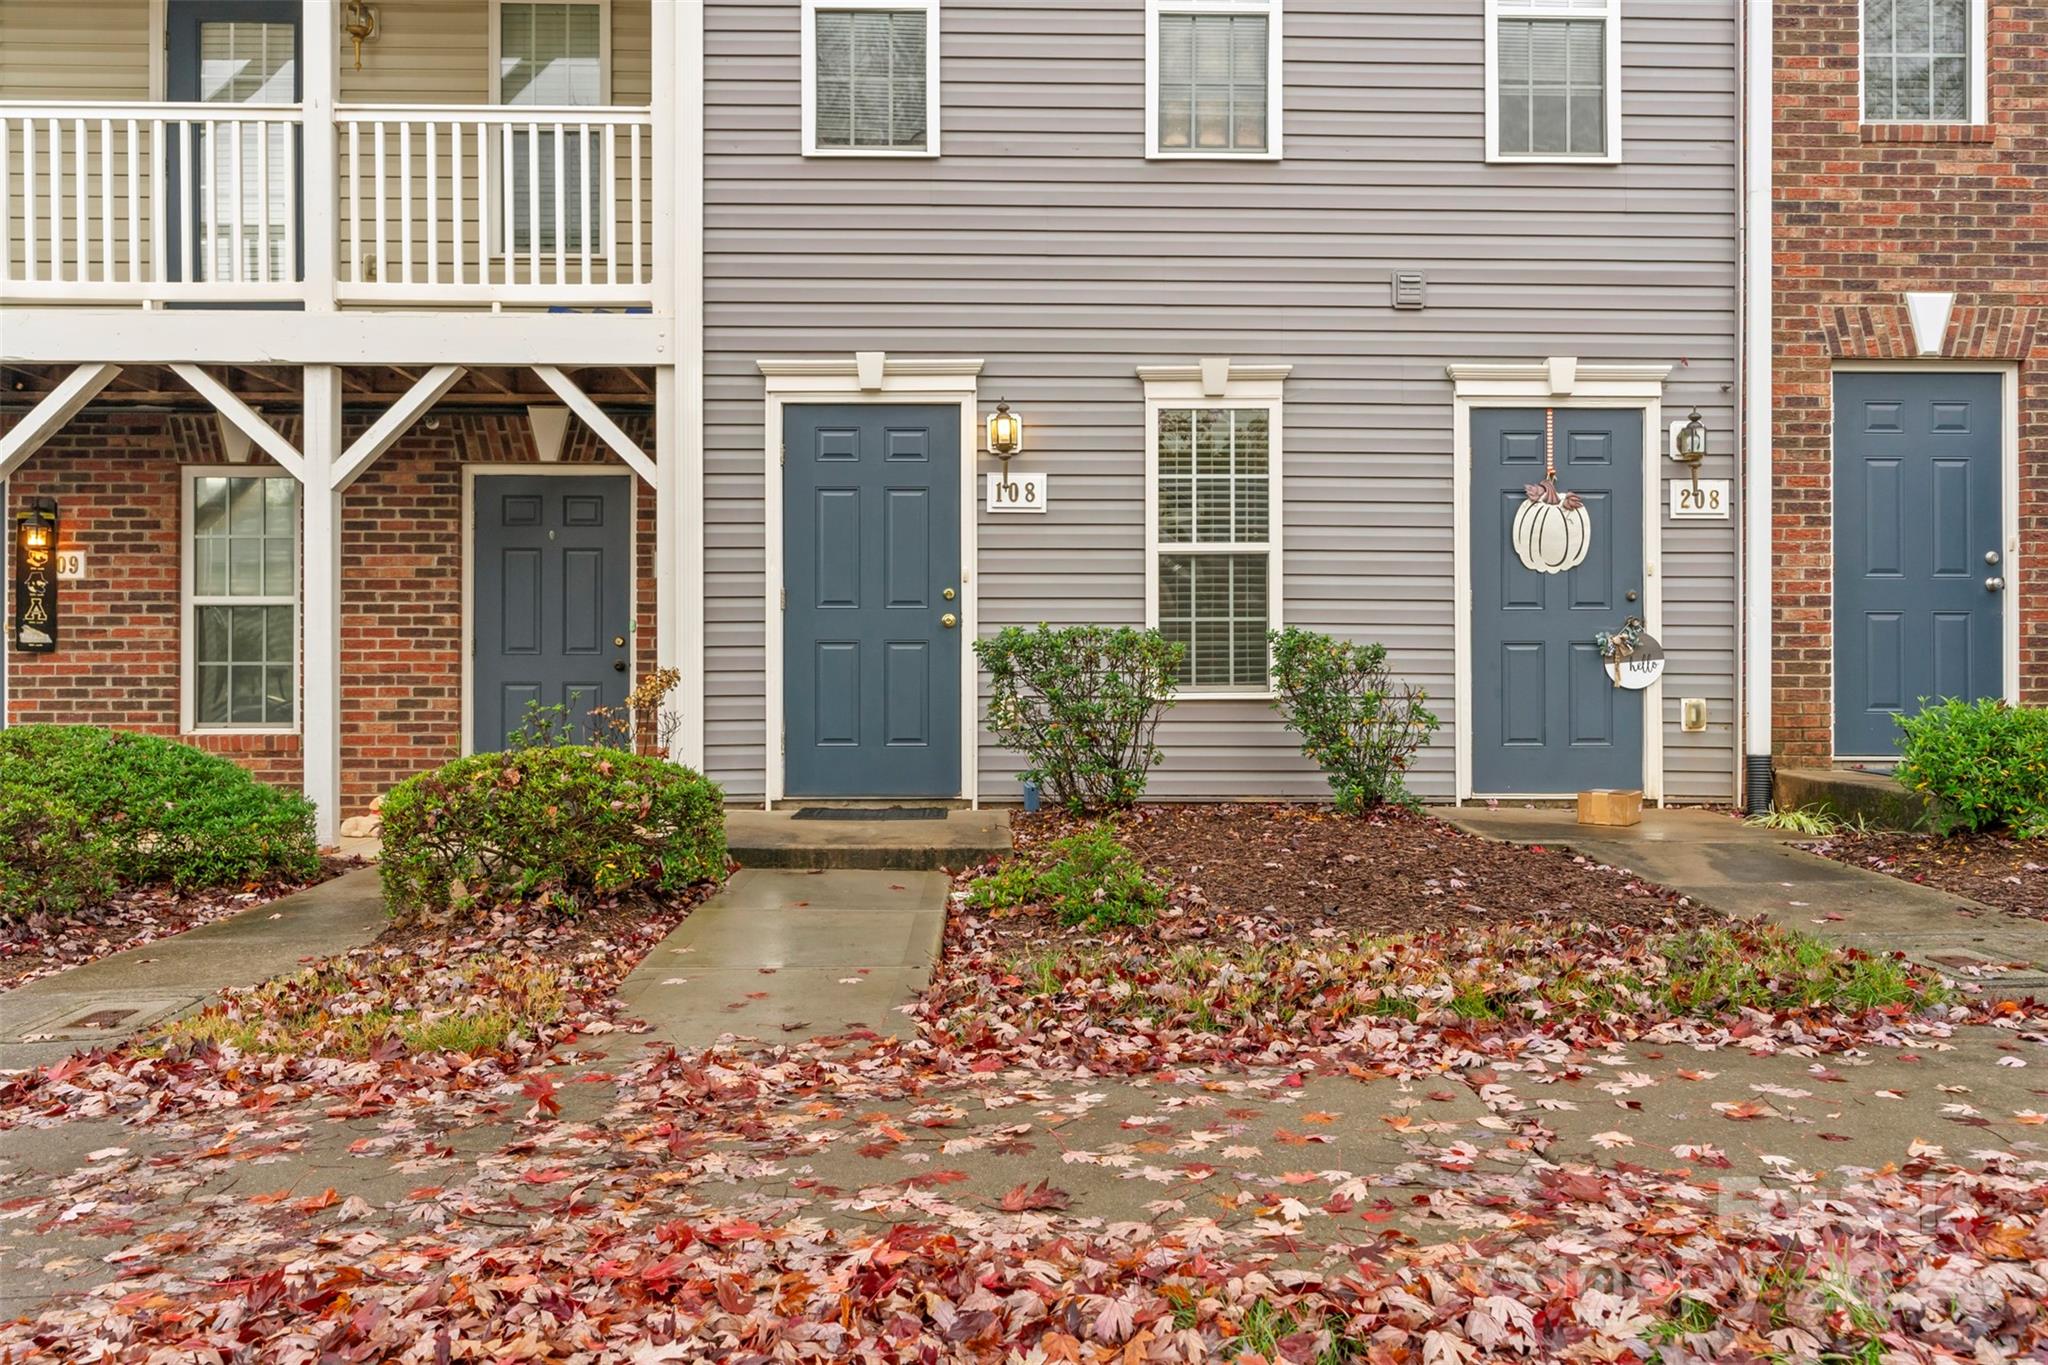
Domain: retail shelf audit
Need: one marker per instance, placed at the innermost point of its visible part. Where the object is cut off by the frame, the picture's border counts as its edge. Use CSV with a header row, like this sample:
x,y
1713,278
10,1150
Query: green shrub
x,y
1082,704
557,826
1985,764
1354,721
108,807
1084,878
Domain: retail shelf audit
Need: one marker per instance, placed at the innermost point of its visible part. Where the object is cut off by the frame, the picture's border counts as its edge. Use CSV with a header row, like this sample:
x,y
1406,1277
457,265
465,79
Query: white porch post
x,y
320,690
320,37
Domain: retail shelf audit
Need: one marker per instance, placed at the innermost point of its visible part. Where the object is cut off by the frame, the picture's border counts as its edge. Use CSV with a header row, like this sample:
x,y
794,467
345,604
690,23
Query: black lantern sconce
x,y
1691,446
1005,432
35,577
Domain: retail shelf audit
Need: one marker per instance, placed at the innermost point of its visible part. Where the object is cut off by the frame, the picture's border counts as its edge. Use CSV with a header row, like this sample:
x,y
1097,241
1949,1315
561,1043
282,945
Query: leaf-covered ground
x,y
39,945
1223,1137
1994,869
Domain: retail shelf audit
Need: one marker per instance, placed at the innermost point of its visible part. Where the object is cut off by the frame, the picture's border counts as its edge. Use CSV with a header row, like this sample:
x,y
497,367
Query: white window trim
x,y
500,239
930,150
1611,15
1275,104
189,604
1980,95
1219,384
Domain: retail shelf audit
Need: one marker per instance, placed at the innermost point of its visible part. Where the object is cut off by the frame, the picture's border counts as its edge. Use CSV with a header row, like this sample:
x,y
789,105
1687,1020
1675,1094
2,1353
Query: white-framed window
x,y
1212,521
1213,79
241,591
871,77
1553,80
1923,61
554,54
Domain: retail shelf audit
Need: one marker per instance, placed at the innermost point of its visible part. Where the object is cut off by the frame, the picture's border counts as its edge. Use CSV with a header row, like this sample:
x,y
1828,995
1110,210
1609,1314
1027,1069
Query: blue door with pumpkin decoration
x,y
1547,716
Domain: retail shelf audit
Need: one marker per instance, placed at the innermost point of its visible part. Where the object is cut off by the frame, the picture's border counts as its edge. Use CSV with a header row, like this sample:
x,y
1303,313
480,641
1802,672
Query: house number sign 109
x,y
1710,501
1009,492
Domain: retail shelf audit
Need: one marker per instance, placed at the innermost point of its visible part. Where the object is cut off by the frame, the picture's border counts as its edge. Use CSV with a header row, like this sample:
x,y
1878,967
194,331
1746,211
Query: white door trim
x,y
869,377
470,474
1559,382
2009,513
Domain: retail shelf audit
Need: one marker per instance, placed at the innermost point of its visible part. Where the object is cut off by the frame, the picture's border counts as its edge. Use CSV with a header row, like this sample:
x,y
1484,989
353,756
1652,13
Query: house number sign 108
x,y
1008,492
1710,501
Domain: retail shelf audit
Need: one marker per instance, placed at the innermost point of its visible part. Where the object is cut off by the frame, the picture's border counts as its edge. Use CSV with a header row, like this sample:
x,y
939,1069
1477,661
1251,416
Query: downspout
x,y
1756,509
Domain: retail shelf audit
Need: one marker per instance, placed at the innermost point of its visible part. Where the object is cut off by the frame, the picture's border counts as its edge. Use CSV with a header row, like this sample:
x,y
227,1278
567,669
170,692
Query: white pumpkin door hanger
x,y
1552,530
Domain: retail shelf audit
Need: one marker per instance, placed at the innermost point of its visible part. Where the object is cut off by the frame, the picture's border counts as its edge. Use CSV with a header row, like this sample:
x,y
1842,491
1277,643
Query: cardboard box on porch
x,y
1606,806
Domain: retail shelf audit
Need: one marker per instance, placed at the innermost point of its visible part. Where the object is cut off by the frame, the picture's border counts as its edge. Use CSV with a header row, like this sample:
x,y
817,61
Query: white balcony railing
x,y
433,204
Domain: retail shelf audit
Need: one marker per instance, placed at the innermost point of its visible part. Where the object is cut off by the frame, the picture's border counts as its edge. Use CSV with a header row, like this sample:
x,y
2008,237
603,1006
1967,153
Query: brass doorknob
x,y
949,620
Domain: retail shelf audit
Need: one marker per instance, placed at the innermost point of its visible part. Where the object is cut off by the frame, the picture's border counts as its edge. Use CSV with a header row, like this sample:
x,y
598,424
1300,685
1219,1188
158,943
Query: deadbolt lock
x,y
948,594
619,641
1991,556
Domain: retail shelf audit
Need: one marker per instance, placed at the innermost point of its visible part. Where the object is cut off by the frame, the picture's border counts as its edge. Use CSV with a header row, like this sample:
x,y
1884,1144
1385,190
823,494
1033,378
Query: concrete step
x,y
1850,793
775,839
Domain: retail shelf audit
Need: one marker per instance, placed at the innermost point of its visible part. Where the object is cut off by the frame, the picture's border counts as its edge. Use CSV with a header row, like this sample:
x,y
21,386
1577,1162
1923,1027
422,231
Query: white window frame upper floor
x,y
1271,11
1609,13
504,235
190,602
1979,56
930,150
1217,384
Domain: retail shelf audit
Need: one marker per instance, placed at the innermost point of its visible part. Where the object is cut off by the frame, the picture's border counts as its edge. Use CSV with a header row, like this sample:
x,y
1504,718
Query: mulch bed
x,y
36,946
2011,874
1386,873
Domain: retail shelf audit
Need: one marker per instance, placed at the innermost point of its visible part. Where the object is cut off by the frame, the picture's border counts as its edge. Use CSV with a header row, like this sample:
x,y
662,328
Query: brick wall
x,y
1862,216
115,475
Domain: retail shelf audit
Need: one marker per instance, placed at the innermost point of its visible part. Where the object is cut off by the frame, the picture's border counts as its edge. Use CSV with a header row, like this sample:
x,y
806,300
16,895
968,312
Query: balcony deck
x,y
436,205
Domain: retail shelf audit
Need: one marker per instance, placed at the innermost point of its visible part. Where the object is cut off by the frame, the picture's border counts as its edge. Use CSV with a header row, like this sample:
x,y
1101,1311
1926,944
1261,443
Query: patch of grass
x,y
1086,878
1265,1327
1815,820
479,1007
1687,1317
1715,970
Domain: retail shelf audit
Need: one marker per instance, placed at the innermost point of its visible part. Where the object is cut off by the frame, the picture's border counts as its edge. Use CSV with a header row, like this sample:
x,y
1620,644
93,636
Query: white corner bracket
x,y
51,413
594,417
1930,313
266,437
396,421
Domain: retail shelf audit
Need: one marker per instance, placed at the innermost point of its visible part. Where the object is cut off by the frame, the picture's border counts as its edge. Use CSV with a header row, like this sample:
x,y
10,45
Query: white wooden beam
x,y
320,686
593,417
266,436
319,88
396,421
52,413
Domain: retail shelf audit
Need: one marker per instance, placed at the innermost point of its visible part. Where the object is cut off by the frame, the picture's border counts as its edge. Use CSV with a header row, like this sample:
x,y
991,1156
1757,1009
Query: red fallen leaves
x,y
1028,1198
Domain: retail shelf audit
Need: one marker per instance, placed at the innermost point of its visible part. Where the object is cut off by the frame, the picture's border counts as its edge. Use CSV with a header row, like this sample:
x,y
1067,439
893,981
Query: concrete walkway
x,y
118,996
1742,869
784,955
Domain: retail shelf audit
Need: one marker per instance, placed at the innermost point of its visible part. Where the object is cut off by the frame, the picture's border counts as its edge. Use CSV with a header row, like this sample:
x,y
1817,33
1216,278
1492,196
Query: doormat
x,y
879,813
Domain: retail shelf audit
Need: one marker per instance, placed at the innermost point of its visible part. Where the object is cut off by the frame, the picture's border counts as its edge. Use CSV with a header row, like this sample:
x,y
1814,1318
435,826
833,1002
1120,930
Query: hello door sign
x,y
35,578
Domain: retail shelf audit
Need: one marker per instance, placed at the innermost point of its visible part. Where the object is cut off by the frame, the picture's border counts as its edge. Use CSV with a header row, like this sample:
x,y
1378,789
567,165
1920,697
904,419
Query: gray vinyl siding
x,y
1045,243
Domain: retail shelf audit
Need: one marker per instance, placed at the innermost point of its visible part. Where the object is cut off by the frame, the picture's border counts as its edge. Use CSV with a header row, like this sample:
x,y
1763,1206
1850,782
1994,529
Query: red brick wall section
x,y
1863,215
115,474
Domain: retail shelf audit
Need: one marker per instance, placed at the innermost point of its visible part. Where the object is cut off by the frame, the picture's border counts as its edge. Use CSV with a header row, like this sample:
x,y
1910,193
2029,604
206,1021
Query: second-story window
x,y
1213,78
1553,72
1921,60
871,78
553,55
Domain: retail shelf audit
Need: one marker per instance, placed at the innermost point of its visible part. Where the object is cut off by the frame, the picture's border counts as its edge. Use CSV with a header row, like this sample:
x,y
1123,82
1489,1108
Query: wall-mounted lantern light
x,y
35,577
1691,445
1005,432
359,22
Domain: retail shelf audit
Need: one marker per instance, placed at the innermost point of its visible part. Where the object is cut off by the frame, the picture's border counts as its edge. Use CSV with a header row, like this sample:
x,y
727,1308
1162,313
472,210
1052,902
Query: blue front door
x,y
1919,549
1546,717
871,574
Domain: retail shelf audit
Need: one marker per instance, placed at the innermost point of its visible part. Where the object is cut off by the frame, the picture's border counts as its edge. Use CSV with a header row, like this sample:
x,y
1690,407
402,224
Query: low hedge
x,y
559,826
84,810
1985,764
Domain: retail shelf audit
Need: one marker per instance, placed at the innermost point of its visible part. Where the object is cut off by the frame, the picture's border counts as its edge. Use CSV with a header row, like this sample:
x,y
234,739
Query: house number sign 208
x,y
1710,500
1008,492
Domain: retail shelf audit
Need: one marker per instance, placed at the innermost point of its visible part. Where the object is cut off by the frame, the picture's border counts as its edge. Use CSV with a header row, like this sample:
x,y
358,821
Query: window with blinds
x,y
1215,513
870,82
1212,73
552,55
243,629
248,63
1552,87
1917,61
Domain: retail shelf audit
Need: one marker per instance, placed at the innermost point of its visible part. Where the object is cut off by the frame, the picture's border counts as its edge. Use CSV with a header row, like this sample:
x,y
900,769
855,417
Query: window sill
x,y
1965,133
1499,160
1157,154
1196,694
241,731
866,154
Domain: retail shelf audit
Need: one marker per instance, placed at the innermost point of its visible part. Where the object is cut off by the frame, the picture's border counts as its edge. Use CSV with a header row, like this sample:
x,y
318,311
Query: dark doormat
x,y
878,813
